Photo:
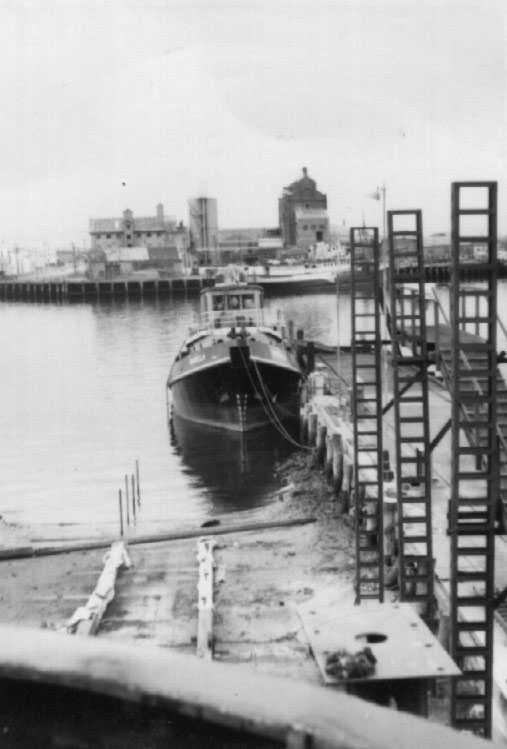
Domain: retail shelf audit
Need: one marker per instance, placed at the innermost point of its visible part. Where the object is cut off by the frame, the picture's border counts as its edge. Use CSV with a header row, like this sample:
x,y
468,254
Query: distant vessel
x,y
235,372
311,276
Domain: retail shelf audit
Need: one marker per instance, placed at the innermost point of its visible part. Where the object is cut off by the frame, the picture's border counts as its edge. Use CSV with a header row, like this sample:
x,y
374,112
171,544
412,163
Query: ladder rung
x,y
470,576
477,626
472,650
480,515
470,529
471,601
471,699
470,675
477,239
471,476
472,551
474,211
416,519
468,319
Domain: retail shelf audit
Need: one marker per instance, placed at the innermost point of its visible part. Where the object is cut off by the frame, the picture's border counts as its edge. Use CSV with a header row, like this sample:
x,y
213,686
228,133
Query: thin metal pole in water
x,y
138,487
338,351
133,498
127,499
120,507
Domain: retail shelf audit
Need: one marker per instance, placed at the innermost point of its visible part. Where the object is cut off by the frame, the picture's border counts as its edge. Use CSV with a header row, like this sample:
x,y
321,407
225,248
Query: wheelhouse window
x,y
218,303
248,301
234,302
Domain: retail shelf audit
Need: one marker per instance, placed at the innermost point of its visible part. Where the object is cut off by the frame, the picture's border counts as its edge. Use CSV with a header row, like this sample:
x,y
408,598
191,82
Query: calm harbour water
x,y
83,395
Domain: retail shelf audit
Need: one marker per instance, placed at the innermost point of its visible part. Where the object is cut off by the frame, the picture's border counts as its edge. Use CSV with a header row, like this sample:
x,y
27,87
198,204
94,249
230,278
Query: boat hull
x,y
238,398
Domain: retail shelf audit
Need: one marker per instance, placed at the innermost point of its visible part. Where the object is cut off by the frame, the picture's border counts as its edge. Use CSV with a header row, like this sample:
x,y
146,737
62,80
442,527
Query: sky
x,y
126,103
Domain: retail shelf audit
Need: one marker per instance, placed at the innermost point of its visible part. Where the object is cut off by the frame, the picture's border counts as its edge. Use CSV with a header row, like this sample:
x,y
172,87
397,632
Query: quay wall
x,y
61,291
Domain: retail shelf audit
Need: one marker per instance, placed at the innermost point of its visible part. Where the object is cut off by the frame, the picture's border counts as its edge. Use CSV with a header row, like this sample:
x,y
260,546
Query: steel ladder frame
x,y
472,517
407,328
366,410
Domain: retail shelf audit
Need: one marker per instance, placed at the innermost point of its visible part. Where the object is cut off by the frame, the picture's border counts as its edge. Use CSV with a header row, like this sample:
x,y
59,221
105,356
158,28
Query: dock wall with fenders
x,y
63,290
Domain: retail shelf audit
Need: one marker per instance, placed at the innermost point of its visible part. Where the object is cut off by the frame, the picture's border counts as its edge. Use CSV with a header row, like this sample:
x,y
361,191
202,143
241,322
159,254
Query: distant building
x,y
302,211
203,224
163,242
248,244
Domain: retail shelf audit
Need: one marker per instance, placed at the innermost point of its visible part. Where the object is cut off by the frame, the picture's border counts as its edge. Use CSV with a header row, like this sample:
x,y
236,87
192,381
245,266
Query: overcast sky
x,y
114,104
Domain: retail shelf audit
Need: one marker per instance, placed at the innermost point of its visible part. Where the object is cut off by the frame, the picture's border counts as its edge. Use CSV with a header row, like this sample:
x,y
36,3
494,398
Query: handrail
x,y
467,364
221,695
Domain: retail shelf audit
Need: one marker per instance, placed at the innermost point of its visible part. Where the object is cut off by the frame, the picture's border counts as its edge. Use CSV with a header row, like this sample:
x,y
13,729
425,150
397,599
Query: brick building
x,y
302,212
164,239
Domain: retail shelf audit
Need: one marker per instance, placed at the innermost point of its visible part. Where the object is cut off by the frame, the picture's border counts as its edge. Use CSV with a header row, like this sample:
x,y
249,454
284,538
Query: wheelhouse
x,y
225,306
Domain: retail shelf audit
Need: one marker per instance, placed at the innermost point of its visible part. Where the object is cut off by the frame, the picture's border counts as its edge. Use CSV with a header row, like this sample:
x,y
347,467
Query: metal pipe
x,y
120,507
138,486
133,499
127,499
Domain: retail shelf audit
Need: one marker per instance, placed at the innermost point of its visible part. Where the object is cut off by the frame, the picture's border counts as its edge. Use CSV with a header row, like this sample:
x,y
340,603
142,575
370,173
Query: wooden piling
x,y
337,462
320,442
312,428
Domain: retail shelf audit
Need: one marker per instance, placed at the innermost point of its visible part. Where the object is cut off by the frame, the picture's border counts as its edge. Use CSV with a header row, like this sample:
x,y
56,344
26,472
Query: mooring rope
x,y
266,401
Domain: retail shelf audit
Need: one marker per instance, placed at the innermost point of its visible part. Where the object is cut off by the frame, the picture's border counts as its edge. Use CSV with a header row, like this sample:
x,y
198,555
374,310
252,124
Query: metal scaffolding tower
x,y
407,326
475,459
367,413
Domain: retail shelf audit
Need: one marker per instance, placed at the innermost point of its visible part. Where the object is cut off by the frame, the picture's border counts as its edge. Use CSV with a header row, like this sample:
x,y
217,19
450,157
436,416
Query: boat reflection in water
x,y
237,470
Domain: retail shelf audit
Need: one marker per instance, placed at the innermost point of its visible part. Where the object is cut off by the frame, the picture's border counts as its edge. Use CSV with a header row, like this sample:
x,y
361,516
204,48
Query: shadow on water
x,y
237,472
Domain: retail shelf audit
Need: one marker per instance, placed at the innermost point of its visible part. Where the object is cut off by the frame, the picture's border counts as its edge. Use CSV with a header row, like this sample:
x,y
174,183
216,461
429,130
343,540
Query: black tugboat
x,y
235,372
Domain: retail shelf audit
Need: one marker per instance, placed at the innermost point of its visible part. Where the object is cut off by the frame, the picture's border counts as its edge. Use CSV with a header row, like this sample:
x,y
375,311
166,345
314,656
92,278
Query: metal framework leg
x,y
475,459
407,324
367,414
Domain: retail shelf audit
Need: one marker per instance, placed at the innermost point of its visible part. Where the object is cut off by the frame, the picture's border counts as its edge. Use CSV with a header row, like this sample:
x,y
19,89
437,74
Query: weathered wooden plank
x,y
205,548
86,619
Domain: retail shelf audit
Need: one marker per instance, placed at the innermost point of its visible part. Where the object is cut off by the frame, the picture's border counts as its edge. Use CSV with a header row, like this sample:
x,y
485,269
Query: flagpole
x,y
383,190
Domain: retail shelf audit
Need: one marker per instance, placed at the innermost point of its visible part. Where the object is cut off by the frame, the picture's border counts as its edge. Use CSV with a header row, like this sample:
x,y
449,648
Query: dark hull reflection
x,y
237,471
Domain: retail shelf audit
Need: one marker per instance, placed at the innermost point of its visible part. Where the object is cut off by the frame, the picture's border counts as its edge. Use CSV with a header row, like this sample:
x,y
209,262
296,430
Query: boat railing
x,y
230,318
